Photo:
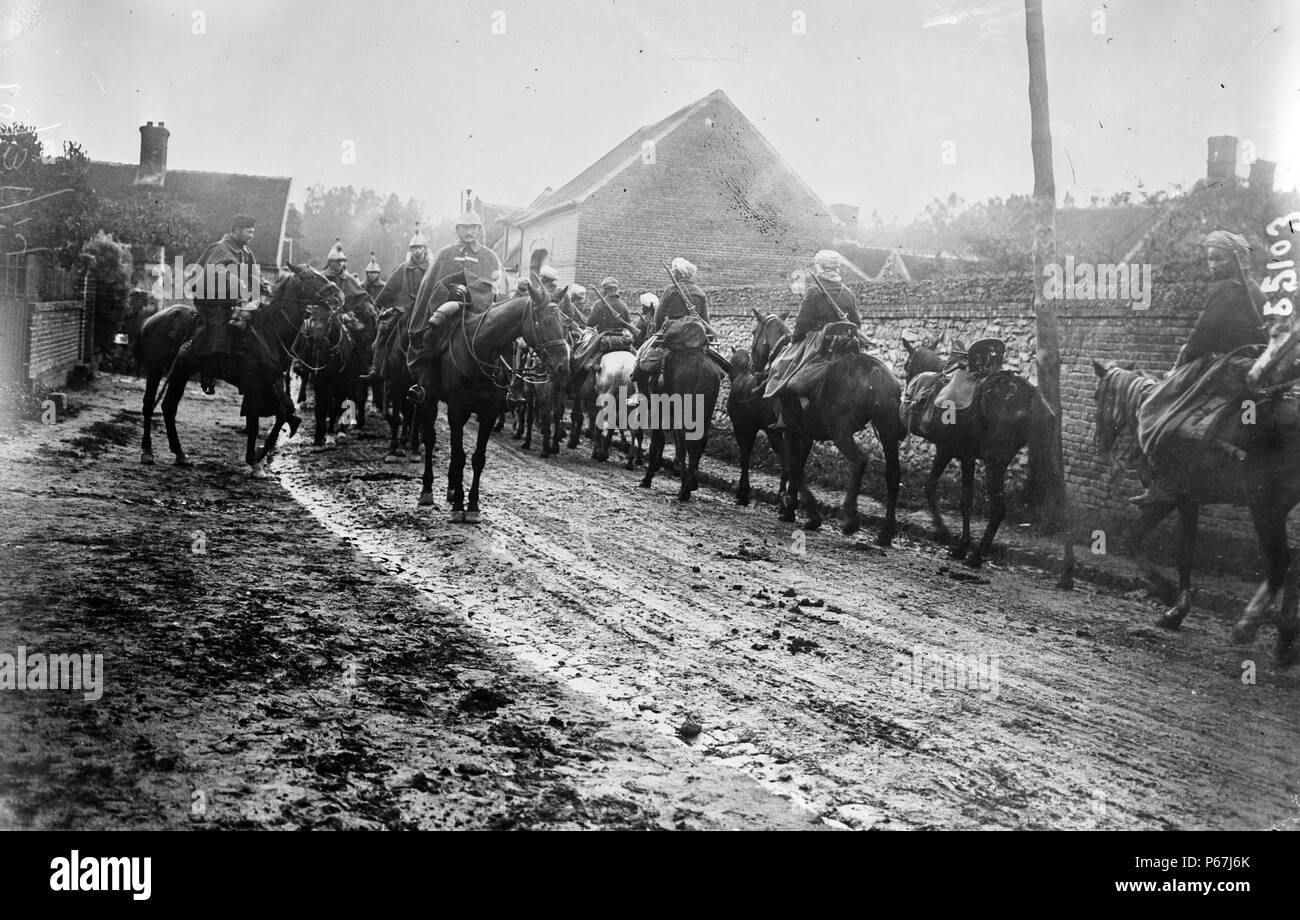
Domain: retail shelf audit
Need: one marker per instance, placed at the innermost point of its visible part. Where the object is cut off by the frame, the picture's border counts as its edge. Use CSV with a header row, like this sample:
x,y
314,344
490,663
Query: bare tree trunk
x,y
1052,492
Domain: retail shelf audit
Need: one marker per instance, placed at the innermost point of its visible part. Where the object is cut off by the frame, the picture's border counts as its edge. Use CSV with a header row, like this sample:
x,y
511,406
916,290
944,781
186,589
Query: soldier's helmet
x,y
336,253
469,219
417,239
373,264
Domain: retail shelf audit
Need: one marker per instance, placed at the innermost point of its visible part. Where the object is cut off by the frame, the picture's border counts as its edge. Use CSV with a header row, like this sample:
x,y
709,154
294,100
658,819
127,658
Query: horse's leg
x,y
1270,527
456,418
146,410
250,448
789,503
599,452
1135,545
776,440
175,390
1184,558
656,457
745,438
392,412
684,457
575,420
426,483
527,413
477,462
893,476
321,406
995,478
941,460
857,467
958,550
812,513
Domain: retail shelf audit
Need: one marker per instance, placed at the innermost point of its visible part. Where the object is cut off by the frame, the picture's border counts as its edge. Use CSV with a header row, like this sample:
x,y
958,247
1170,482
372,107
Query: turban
x,y
828,258
683,268
649,301
578,290
1233,242
548,274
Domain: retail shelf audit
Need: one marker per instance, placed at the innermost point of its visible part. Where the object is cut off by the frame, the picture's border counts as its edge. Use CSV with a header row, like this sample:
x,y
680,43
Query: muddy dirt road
x,y
593,654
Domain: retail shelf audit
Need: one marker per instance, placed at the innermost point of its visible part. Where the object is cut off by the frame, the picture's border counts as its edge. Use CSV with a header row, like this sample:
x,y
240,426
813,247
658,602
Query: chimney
x,y
1261,174
1222,164
153,154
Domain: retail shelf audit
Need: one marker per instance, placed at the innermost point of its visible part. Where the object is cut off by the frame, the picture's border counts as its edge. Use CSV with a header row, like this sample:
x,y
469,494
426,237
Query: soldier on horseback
x,y
229,283
1229,320
372,284
610,327
359,313
827,301
397,297
683,298
463,274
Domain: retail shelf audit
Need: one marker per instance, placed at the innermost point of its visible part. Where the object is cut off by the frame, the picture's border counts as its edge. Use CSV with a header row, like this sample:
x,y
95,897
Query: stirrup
x,y
1154,495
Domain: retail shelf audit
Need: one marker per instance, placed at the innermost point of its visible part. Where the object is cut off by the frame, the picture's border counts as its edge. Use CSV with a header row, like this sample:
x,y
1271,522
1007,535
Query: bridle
x,y
310,301
531,330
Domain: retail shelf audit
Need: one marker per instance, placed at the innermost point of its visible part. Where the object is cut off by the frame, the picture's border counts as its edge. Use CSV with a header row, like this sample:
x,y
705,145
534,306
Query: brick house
x,y
702,183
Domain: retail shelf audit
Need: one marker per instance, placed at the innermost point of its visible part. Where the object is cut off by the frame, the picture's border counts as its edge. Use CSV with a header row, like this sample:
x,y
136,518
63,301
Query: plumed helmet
x,y
684,269
336,252
373,264
417,239
469,219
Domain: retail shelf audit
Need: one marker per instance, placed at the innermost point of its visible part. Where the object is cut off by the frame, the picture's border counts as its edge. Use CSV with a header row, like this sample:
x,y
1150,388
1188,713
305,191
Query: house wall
x,y
558,234
715,194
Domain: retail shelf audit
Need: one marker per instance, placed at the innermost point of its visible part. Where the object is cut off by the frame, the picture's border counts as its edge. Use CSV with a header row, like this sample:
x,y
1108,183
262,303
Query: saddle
x,y
1199,401
931,395
594,344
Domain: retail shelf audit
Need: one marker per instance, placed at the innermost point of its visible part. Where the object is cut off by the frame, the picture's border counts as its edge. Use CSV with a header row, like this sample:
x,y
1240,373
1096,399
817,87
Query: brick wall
x,y
56,341
972,308
715,194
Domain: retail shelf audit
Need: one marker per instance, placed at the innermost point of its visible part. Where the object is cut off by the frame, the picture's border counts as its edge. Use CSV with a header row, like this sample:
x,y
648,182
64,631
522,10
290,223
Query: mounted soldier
x,y
463,274
229,285
397,298
828,306
645,320
372,284
360,316
1193,407
610,327
683,304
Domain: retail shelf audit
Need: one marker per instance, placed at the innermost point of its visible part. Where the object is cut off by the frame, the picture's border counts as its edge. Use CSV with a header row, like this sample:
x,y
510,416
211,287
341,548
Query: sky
x,y
884,104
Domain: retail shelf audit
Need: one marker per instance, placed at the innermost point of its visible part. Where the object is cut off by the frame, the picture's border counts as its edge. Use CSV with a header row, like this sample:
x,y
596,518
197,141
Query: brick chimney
x,y
1262,173
153,154
1222,164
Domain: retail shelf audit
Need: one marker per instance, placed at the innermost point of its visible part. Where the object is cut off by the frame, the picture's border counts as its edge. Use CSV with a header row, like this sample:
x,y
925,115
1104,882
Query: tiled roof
x,y
216,197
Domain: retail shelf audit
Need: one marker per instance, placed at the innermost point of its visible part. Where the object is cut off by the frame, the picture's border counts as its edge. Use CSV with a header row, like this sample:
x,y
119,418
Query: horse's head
x,y
741,363
770,333
303,288
1119,393
544,331
1280,355
920,359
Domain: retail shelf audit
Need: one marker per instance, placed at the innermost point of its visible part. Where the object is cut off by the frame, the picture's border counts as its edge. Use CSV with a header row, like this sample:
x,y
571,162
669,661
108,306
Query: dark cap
x,y
241,221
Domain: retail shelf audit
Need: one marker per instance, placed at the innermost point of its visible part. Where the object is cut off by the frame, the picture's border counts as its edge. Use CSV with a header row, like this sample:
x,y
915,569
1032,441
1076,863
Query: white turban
x,y
578,290
548,274
649,300
684,268
828,258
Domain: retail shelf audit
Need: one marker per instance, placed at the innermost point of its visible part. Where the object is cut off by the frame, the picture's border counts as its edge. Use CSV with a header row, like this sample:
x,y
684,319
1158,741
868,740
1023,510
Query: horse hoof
x,y
473,517
742,500
974,560
1244,633
342,438
885,539
257,471
684,495
426,499
644,483
1172,619
850,527
813,524
146,459
456,517
182,460
785,516
294,422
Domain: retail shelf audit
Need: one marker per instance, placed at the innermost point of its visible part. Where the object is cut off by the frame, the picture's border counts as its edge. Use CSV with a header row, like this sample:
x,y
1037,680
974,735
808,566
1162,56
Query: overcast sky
x,y
861,105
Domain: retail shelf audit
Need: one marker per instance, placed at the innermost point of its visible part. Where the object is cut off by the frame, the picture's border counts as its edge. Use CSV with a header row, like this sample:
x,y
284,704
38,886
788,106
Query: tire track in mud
x,y
790,662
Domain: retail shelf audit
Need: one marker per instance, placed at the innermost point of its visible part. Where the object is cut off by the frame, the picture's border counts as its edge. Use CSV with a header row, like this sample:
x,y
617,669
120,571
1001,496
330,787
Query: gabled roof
x,y
628,152
215,197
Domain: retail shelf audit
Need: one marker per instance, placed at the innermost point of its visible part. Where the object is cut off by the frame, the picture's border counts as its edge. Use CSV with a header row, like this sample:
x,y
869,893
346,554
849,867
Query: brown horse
x,y
467,381
859,390
747,408
691,386
1267,483
1008,414
258,366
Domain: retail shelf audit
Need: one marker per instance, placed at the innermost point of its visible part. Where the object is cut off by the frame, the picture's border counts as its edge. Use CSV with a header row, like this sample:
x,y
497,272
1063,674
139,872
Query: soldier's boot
x,y
1154,495
376,372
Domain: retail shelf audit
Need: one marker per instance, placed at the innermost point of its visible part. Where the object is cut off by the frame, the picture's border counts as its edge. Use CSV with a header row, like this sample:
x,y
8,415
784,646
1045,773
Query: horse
x,y
748,410
1007,414
465,380
689,375
613,394
1268,484
257,366
335,356
405,418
